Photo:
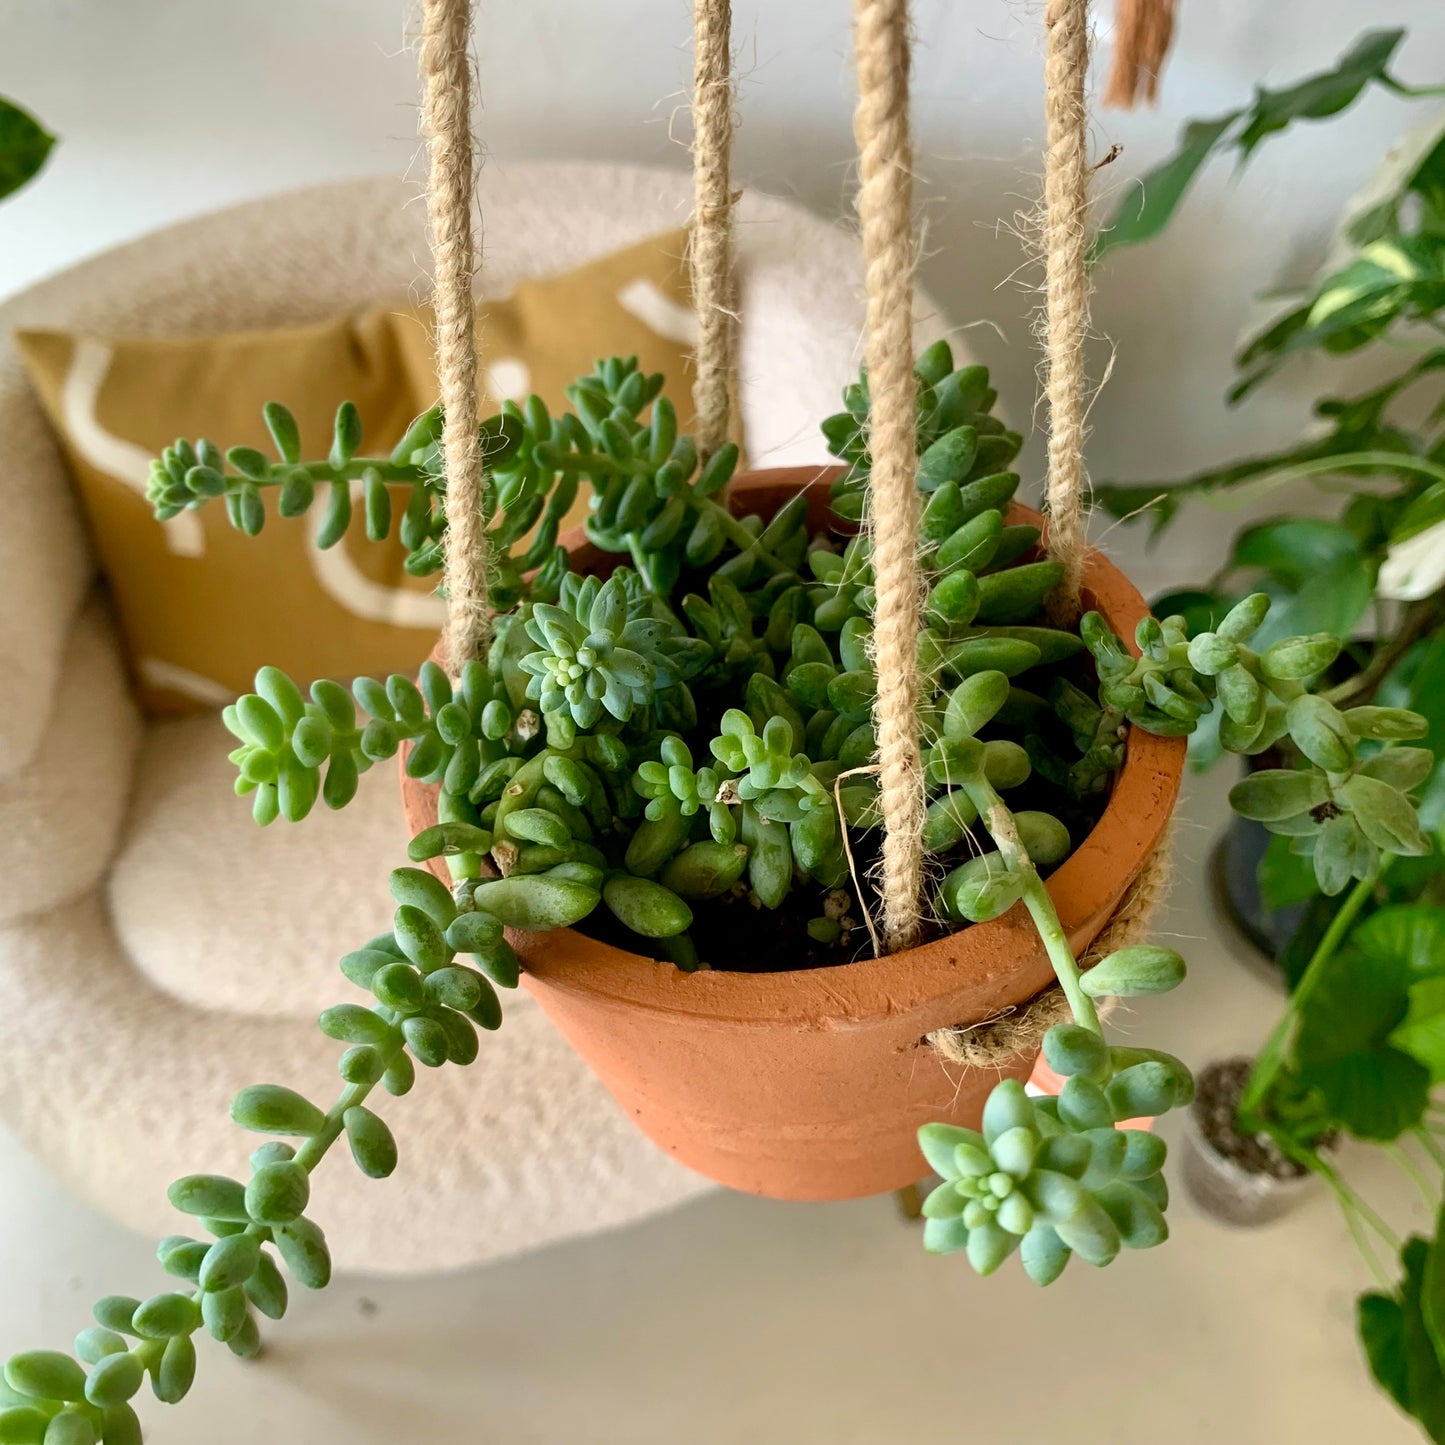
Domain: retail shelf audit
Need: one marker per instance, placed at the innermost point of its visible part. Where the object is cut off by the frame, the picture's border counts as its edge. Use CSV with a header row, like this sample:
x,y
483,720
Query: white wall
x,y
171,107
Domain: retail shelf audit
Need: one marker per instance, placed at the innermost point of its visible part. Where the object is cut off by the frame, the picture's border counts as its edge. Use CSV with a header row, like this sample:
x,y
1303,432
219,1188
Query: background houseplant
x,y
1357,1050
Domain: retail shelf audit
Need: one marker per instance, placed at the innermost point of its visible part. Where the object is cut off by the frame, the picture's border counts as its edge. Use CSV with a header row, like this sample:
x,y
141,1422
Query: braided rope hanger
x,y
881,42
881,126
710,252
451,187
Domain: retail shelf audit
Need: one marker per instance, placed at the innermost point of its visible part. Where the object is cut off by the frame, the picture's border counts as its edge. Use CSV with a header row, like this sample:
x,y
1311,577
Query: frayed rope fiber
x,y
710,253
447,125
1066,288
885,212
995,1042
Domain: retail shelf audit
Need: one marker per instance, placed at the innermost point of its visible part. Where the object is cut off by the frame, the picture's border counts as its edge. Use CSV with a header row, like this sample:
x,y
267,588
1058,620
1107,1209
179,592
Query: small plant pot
x,y
1230,1177
811,1084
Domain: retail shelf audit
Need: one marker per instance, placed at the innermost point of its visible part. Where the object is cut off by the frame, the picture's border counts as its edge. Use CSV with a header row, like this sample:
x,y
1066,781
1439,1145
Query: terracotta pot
x,y
812,1084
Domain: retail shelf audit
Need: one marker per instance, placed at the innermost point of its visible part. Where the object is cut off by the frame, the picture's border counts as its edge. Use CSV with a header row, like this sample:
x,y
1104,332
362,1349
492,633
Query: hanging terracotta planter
x,y
811,1084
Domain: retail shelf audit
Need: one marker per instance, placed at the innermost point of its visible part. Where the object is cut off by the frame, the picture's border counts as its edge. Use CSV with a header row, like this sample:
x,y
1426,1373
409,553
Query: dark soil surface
x,y
1218,1091
736,933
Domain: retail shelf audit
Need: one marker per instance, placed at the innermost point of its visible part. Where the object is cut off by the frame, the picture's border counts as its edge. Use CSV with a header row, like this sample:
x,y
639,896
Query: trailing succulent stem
x,y
426,1008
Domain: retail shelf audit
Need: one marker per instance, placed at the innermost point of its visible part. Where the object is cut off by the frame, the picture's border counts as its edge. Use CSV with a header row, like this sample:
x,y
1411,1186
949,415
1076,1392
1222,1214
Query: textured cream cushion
x,y
225,915
120,1088
138,1002
60,816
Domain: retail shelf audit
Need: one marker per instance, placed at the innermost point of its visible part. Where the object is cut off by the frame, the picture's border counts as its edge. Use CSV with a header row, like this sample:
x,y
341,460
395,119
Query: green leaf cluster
x,y
1371,1037
1055,1177
697,721
572,745
1144,213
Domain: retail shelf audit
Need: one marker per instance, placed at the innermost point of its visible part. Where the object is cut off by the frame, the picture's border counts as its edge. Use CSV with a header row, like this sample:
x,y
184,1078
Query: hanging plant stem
x,y
1004,831
1272,1056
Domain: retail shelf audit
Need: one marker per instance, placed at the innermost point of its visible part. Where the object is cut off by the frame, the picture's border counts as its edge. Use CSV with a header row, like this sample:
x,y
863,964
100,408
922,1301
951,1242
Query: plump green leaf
x,y
275,1109
1274,794
1320,731
71,1427
303,1247
211,1195
1008,1107
278,1192
1072,1049
1140,969
372,1144
1043,1254
45,1375
164,1315
22,1424
939,1143
177,1370
646,907
1385,815
113,1380
538,904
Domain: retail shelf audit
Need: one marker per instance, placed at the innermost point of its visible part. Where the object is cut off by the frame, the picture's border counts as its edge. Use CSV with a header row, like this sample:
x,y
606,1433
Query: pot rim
x,y
1098,872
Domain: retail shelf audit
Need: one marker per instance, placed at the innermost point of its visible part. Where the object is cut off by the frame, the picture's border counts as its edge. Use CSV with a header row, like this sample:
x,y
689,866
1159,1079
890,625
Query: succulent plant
x,y
632,746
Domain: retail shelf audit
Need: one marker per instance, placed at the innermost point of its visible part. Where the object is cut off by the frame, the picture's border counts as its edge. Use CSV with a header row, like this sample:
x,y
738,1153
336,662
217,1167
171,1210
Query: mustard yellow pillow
x,y
201,605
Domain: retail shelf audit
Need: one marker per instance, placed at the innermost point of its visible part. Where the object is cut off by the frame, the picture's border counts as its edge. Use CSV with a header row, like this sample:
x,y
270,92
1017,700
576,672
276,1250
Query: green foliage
x,y
1349,806
25,146
1056,1177
962,447
1352,811
1385,280
617,727
1401,1337
1142,217
1367,1041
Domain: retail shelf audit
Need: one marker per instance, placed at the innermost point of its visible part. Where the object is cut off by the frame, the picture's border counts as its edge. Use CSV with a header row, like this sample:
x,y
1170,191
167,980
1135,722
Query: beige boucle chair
x,y
157,951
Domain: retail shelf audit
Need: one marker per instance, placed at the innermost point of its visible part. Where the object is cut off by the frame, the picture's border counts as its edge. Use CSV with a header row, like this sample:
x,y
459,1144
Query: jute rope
x,y
995,1041
1143,30
711,251
885,210
1066,289
447,125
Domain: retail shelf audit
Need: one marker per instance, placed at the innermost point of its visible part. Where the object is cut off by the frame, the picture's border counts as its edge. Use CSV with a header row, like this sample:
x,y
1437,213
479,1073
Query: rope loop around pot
x,y
994,1043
